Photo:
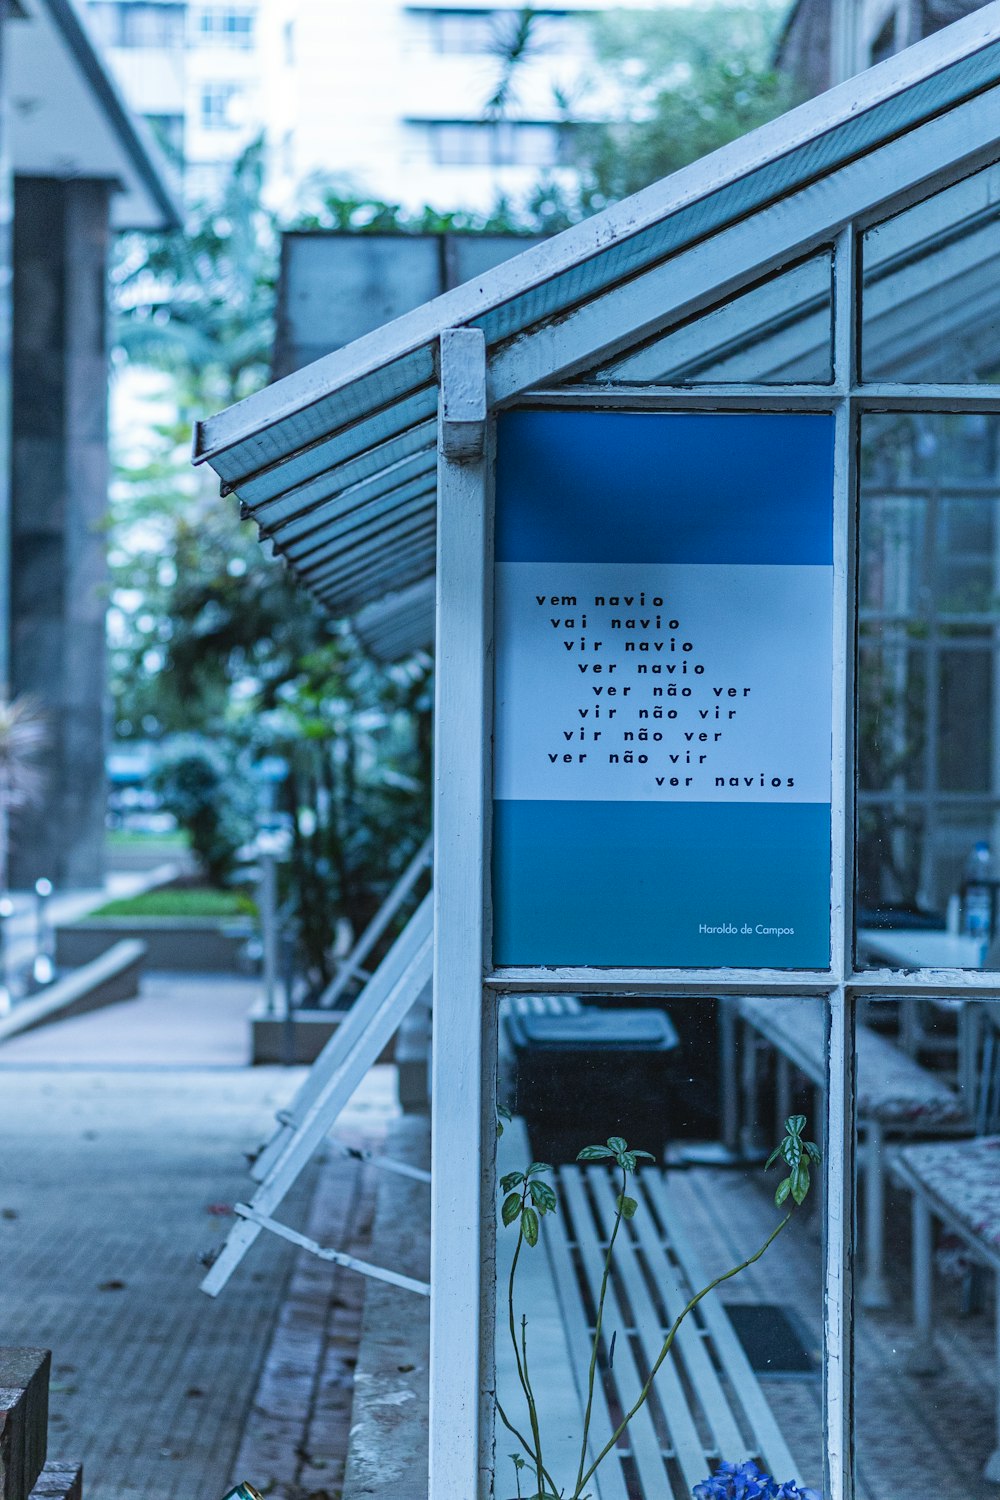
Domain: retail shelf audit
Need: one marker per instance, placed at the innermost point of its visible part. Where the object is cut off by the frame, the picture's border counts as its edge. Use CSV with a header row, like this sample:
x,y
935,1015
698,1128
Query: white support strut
x,y
354,1025
403,975
338,1257
351,967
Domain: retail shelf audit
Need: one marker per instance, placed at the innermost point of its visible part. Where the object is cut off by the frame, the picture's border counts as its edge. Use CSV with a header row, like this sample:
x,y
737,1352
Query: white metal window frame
x,y
466,985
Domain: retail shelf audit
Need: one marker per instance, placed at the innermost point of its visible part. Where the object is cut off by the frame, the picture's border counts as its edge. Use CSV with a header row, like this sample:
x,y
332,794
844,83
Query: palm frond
x,y
24,736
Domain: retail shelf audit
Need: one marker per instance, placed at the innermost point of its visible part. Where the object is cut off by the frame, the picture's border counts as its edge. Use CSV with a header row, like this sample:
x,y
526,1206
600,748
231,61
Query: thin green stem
x,y
524,1443
582,1480
534,1451
532,1408
580,1477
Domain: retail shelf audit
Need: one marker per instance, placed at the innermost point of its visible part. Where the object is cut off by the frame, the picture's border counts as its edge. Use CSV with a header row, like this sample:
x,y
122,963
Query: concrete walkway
x,y
123,1138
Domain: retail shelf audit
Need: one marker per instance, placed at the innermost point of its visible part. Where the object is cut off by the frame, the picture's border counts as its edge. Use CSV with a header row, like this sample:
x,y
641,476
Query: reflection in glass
x,y
929,1204
928,705
778,331
698,1084
931,297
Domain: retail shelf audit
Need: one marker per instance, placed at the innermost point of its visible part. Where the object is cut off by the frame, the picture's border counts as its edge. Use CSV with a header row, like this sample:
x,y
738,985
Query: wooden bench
x,y
707,1403
957,1182
894,1095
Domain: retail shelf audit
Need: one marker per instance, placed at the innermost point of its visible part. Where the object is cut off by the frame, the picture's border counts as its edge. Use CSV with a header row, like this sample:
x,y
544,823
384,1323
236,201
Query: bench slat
x,y
774,1451
641,1433
690,1449
688,1344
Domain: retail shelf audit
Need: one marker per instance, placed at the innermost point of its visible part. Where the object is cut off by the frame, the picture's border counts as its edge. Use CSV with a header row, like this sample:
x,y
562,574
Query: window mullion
x,y
838,1383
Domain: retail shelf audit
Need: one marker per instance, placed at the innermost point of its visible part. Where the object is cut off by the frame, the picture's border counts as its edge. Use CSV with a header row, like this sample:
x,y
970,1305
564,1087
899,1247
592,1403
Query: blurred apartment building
x,y
193,70
390,98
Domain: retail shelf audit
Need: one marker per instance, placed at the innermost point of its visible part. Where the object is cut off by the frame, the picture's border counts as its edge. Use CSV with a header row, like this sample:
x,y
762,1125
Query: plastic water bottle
x,y
979,893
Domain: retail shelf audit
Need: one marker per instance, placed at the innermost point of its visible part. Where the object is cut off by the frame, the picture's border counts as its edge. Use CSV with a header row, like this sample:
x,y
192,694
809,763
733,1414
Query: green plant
x,y
203,795
527,1199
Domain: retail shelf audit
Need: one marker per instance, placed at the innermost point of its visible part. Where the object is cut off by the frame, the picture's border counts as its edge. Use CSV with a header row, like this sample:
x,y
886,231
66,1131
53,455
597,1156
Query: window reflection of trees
x,y
928,779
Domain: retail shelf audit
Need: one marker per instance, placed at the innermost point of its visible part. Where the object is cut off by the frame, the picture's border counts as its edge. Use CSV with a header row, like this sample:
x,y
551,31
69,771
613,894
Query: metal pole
x,y
6,911
43,970
269,926
288,975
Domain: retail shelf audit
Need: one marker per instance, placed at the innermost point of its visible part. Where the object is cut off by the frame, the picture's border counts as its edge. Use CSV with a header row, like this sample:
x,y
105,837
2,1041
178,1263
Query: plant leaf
x,y
774,1156
510,1180
538,1166
795,1124
529,1223
617,1144
646,1155
627,1206
783,1190
542,1196
511,1208
800,1183
594,1153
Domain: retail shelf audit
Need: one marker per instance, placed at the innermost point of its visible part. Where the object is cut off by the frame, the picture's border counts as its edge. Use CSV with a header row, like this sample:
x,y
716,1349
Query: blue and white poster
x,y
663,689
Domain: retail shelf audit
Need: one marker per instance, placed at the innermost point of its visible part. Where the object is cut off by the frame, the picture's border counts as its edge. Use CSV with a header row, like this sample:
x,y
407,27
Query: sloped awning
x,y
337,463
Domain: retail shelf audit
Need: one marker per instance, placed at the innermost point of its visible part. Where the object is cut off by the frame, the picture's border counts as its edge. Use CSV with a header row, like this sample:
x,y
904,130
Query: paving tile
x,y
125,1133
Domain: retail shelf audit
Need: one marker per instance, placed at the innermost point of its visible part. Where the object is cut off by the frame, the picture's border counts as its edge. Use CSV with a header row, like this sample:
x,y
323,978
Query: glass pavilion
x,y
841,265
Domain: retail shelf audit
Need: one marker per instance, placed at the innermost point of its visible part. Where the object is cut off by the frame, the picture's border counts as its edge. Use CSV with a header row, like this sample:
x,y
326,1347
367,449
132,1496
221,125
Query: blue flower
x,y
747,1482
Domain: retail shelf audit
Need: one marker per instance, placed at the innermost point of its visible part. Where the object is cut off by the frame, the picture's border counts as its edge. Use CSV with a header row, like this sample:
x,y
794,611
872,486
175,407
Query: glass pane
x,y
931,294
928,690
929,1225
778,332
741,1381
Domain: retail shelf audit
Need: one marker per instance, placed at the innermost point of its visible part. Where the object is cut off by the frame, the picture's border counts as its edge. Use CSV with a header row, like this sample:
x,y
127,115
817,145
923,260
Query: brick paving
x,y
124,1133
295,1438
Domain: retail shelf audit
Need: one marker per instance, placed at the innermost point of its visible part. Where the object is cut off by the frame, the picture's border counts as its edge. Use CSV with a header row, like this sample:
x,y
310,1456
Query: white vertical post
x,y
838,1344
845,26
924,1358
269,925
992,1469
464,633
839,1140
874,1289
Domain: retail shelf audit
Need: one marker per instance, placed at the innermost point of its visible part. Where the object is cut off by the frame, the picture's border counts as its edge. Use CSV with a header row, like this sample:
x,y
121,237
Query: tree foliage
x,y
691,79
211,640
209,637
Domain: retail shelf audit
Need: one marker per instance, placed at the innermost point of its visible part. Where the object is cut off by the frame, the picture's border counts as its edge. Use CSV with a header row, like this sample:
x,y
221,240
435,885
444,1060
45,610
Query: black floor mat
x,y
774,1340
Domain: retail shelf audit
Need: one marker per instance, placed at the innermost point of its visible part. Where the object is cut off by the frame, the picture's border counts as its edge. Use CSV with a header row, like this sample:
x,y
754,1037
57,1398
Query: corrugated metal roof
x,y
399,624
336,463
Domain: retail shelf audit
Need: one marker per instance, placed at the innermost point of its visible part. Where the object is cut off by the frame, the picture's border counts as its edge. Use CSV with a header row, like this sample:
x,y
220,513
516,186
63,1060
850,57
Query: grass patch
x,y
199,901
127,838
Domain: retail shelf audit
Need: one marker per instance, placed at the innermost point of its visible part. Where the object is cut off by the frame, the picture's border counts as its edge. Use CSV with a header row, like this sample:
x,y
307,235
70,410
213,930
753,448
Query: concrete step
x,y
59,1482
24,1422
24,1419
